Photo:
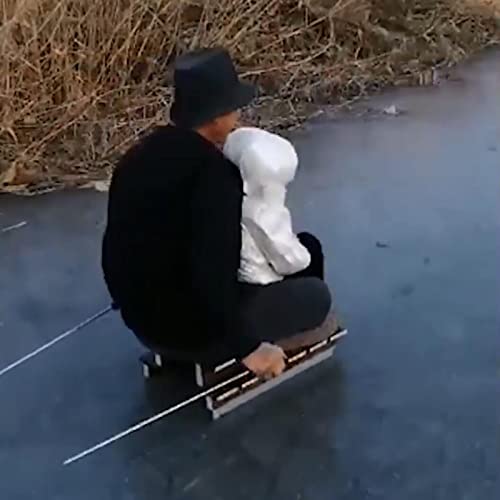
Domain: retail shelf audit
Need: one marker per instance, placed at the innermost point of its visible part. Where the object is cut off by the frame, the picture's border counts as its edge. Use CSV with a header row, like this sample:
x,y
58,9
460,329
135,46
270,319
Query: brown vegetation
x,y
80,79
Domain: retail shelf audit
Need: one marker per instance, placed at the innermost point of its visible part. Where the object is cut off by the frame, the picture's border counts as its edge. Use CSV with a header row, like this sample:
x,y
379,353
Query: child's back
x,y
270,249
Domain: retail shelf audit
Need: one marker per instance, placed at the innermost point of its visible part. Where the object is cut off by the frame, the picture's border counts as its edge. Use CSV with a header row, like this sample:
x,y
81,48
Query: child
x,y
270,249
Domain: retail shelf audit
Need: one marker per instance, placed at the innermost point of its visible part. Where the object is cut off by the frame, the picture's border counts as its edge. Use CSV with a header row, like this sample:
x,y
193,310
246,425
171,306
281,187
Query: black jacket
x,y
171,249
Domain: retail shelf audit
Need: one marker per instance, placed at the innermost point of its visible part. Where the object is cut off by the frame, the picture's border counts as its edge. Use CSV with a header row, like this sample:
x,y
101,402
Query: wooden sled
x,y
248,386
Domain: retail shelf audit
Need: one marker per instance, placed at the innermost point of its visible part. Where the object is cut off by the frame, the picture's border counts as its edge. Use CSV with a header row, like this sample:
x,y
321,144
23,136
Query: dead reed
x,y
80,79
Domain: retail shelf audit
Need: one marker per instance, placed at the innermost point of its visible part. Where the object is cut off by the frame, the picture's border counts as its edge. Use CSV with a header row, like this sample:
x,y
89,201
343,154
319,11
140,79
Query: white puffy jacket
x,y
270,248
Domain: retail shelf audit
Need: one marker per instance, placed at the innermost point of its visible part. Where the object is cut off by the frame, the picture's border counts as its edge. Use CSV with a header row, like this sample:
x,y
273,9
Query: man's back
x,y
155,246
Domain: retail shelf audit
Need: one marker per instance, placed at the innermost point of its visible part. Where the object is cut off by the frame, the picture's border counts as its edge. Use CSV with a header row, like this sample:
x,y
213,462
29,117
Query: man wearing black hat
x,y
171,249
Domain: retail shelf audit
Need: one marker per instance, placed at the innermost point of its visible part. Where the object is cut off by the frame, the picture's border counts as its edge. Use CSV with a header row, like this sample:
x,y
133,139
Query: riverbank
x,y
83,79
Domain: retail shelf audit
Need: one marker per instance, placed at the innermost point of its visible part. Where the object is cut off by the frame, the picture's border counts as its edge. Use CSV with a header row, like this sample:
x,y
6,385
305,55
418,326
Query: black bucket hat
x,y
206,87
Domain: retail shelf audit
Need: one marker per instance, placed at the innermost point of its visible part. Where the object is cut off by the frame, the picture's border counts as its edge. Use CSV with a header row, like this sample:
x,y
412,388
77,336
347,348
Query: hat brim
x,y
244,95
240,96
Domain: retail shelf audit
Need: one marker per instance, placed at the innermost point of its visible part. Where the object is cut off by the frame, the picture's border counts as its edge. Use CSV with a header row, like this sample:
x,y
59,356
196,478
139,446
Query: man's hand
x,y
267,361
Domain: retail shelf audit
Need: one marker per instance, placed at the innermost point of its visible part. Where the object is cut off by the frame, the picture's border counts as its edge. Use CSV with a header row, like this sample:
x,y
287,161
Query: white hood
x,y
268,163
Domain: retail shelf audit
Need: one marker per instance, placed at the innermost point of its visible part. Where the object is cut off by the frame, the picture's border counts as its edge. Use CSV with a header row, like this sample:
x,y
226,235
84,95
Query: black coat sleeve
x,y
215,254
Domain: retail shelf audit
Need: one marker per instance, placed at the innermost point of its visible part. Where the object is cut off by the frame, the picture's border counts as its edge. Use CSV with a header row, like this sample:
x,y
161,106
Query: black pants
x,y
277,311
298,303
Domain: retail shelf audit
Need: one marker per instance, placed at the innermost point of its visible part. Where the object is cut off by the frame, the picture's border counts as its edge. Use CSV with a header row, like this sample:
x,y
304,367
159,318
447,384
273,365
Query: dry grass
x,y
80,79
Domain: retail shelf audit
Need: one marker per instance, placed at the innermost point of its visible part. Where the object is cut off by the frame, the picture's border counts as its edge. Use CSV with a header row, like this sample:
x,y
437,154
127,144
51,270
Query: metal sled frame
x,y
248,386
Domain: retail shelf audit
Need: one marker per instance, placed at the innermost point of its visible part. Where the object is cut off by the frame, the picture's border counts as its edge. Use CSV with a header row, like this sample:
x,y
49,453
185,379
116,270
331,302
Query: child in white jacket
x,y
270,249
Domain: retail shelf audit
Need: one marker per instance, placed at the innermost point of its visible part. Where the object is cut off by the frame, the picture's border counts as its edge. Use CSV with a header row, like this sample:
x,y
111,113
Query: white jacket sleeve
x,y
277,241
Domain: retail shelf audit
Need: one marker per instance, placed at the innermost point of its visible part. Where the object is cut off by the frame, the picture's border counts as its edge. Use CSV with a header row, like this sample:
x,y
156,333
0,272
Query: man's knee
x,y
286,308
318,300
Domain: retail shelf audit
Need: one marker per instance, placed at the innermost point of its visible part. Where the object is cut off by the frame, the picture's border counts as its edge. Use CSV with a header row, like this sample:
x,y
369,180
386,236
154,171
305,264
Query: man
x,y
171,249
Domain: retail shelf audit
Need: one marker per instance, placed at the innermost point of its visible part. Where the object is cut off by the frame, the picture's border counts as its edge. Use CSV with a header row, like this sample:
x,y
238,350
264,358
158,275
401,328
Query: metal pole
x,y
53,342
153,419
